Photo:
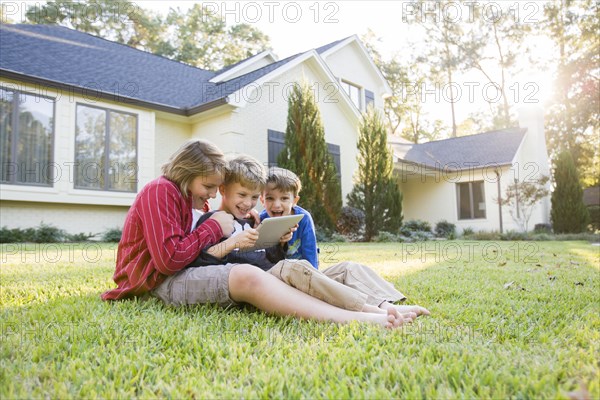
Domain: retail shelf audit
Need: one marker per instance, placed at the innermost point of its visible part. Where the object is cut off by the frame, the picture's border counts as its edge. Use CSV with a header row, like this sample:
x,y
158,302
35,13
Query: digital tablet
x,y
271,230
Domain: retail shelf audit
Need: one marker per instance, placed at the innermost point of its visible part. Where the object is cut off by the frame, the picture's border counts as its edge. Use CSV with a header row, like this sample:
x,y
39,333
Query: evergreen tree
x,y
569,214
376,192
305,153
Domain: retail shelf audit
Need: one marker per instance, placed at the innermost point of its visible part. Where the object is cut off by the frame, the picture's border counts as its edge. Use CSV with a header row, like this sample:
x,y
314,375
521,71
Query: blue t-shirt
x,y
303,245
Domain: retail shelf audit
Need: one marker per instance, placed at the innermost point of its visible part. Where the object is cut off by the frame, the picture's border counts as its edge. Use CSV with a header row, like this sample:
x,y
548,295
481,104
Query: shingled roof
x,y
465,152
65,58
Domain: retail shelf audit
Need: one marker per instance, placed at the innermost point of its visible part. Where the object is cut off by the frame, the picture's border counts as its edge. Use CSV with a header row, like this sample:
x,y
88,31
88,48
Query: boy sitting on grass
x,y
280,198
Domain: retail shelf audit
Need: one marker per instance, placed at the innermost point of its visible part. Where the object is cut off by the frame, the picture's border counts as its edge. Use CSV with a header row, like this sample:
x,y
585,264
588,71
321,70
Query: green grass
x,y
538,337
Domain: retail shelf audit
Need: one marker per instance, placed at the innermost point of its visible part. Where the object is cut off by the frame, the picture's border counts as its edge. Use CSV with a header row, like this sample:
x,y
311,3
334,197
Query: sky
x,y
296,26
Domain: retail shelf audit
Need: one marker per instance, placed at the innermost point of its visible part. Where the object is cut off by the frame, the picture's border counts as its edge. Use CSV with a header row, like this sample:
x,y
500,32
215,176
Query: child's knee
x,y
245,276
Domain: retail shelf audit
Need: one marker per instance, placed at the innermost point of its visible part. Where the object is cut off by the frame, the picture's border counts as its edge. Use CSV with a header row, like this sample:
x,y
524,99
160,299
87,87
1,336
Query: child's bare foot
x,y
411,312
373,309
399,319
418,310
387,320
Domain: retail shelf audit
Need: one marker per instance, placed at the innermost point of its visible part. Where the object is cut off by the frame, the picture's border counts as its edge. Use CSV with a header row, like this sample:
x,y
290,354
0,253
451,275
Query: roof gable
x,y
62,57
331,48
465,152
66,56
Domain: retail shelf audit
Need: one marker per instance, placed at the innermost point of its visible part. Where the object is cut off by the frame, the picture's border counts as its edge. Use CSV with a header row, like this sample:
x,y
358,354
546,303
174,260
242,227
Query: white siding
x,y
348,64
73,218
170,135
245,130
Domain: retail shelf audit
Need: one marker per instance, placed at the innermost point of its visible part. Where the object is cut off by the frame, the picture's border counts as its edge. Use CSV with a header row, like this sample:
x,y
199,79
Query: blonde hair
x,y
246,171
195,158
284,180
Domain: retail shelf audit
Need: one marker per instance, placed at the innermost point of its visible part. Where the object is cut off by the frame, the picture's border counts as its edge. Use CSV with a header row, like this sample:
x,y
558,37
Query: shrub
x,y
422,236
542,228
387,237
445,229
322,234
590,237
568,213
49,234
594,217
484,235
468,231
337,237
79,237
540,237
351,221
112,235
514,235
415,225
11,235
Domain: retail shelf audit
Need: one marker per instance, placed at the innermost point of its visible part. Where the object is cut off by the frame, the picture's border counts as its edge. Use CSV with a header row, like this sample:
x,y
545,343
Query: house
x,y
85,123
461,179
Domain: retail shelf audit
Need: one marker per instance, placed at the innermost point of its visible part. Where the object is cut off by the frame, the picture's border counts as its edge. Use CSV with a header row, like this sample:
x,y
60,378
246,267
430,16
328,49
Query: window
x,y
353,92
105,150
26,138
471,200
277,144
369,98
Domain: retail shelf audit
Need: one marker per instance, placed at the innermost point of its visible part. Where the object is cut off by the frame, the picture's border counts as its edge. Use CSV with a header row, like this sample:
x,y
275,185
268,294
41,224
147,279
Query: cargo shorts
x,y
197,285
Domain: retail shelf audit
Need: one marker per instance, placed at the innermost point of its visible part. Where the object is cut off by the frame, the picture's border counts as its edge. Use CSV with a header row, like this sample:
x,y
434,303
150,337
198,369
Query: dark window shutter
x,y
334,150
276,145
369,97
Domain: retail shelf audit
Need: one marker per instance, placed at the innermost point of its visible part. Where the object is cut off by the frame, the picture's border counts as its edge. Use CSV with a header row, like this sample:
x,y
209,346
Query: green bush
x,y
387,237
468,231
415,225
49,234
12,235
445,229
112,235
483,235
322,234
594,217
351,222
542,228
514,235
568,213
79,237
590,237
337,237
542,237
43,234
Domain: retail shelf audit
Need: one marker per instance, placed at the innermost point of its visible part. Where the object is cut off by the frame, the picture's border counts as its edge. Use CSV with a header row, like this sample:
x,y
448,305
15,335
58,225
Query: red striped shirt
x,y
156,240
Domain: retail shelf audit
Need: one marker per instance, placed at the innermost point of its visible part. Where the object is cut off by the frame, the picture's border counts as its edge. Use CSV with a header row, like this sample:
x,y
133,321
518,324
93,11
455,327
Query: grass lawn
x,y
509,320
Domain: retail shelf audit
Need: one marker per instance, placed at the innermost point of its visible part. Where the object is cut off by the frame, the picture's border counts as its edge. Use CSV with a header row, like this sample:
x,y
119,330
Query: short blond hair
x,y
284,180
195,158
247,171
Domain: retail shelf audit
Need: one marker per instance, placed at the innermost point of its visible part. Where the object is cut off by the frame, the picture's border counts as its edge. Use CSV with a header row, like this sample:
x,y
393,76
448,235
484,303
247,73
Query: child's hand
x,y
288,236
245,239
225,220
254,215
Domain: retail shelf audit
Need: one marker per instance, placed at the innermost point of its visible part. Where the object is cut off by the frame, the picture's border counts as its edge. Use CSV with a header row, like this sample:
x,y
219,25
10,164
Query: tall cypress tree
x,y
376,192
569,214
305,153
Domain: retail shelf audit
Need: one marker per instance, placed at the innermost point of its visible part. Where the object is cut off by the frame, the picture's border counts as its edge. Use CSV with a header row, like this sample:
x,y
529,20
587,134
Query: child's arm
x,y
170,247
243,240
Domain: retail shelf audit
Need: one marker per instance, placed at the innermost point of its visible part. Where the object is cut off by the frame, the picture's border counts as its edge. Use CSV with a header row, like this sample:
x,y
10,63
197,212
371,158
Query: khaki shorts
x,y
197,285
345,285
